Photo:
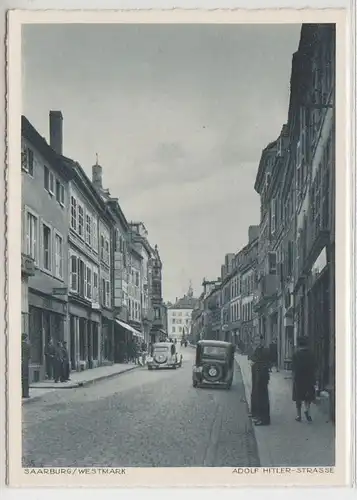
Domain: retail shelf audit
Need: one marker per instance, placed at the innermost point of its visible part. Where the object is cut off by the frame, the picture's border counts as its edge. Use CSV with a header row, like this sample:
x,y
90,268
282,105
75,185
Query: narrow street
x,y
141,419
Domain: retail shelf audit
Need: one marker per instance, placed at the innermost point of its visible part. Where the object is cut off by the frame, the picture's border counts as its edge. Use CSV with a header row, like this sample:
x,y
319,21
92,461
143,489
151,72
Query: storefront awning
x,y
136,333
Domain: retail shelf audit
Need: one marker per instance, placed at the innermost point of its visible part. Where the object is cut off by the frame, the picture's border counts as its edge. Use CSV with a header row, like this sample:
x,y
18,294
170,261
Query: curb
x,y
85,383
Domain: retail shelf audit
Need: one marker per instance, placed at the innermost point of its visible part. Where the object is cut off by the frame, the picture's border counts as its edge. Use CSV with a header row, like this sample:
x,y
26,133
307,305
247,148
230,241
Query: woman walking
x,y
303,367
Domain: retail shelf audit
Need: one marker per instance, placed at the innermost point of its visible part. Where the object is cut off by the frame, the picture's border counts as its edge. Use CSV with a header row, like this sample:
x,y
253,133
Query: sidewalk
x,y
287,443
39,390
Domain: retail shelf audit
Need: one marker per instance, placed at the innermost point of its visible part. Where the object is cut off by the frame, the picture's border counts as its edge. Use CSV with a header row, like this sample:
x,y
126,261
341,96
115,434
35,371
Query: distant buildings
x,y
89,277
179,316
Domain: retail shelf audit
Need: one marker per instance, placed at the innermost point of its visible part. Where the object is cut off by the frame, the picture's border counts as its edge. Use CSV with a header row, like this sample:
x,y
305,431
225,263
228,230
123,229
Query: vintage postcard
x,y
177,241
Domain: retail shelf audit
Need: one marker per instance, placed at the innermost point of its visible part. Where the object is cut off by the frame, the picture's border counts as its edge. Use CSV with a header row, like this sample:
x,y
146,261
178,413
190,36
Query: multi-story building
x,y
45,204
157,331
212,316
248,285
179,316
226,279
90,290
139,236
314,127
197,317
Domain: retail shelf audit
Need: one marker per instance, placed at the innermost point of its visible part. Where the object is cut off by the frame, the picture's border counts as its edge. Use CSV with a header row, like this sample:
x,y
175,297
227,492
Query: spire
x,y
96,159
190,290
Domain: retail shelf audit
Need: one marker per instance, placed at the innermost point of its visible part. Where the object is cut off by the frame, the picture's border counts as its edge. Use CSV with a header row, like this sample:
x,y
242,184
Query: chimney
x,y
56,131
97,173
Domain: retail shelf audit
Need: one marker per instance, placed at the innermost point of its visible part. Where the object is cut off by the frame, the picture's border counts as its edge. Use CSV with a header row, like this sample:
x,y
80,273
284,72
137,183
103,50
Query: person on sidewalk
x,y
50,356
58,363
273,350
25,361
65,362
260,406
303,368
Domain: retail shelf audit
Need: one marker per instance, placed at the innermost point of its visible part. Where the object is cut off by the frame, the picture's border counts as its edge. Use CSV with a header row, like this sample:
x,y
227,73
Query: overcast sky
x,y
179,115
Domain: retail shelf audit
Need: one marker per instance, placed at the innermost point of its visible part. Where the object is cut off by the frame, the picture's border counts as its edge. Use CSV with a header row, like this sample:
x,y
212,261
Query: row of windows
x,y
241,312
44,244
180,321
52,185
84,224
180,329
84,280
134,310
181,313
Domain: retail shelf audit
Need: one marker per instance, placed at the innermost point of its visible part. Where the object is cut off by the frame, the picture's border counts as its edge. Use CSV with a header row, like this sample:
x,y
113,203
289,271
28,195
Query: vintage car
x,y
214,364
164,355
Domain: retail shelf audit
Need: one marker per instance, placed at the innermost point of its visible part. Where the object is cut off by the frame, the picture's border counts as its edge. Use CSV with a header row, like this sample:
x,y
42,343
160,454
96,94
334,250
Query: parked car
x,y
214,364
164,355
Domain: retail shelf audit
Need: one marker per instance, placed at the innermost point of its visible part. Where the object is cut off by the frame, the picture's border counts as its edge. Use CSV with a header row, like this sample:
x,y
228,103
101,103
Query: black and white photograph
x,y
178,224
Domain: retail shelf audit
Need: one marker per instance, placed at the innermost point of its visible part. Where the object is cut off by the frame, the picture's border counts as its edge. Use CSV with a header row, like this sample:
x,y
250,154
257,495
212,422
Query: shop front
x,y
84,337
124,334
47,320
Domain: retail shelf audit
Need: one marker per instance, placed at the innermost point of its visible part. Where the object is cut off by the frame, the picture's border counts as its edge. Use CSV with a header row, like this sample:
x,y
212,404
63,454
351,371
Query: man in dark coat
x,y
303,368
25,362
260,406
58,363
50,355
65,362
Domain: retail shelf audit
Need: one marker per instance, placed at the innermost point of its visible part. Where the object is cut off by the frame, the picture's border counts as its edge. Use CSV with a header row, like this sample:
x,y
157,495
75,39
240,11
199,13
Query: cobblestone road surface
x,y
141,419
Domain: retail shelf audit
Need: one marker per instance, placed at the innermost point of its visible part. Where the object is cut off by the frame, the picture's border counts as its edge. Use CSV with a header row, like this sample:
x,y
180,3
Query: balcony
x,y
147,315
27,265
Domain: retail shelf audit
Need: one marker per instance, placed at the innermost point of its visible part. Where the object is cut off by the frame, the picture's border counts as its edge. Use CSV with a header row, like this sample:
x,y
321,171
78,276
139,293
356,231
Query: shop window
x,y
36,329
95,340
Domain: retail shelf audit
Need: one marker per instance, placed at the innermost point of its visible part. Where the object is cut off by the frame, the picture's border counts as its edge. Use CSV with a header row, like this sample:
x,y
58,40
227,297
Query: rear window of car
x,y
161,349
214,351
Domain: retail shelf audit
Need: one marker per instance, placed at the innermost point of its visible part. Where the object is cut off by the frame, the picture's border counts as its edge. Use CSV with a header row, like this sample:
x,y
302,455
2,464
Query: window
x,y
88,229
137,279
273,215
272,264
51,188
46,241
89,283
106,255
95,234
173,329
58,256
31,236
82,277
103,293
80,221
73,213
27,161
46,178
107,294
102,247
59,192
173,321
74,274
95,286
180,329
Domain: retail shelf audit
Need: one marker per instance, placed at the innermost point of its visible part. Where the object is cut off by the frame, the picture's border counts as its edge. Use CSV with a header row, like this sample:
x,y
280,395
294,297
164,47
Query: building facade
x,y
45,202
179,316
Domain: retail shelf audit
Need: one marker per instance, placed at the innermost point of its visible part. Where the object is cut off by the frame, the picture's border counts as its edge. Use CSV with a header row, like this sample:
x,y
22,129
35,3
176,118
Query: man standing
x,y
303,367
65,358
50,356
58,363
25,361
273,350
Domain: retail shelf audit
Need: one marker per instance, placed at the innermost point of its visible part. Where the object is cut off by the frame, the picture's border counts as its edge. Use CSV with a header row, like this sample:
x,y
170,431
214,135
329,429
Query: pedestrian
x,y
260,406
144,352
58,363
65,362
303,368
50,355
25,368
134,352
273,351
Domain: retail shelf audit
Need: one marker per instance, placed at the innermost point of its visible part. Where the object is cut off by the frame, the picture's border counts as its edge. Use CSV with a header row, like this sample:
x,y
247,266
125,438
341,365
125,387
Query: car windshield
x,y
161,348
217,351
